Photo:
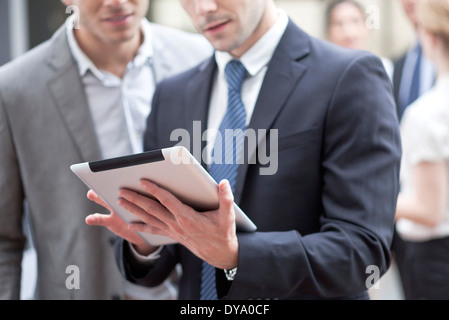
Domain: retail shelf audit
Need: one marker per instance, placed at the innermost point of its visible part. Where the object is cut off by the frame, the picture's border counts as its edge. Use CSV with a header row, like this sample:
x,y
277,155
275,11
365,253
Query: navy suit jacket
x,y
325,219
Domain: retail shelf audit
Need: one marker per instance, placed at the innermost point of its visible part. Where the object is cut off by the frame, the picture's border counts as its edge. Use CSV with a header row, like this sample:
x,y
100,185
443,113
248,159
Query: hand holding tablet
x,y
174,170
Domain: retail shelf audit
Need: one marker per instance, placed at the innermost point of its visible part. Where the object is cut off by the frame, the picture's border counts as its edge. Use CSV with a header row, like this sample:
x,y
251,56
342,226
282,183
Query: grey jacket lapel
x,y
284,73
161,68
161,57
69,96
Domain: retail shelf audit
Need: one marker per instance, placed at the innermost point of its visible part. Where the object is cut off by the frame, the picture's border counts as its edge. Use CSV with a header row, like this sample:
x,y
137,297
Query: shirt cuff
x,y
149,259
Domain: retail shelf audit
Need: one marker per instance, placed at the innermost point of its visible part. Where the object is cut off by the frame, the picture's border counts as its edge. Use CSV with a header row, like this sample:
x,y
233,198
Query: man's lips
x,y
216,26
118,18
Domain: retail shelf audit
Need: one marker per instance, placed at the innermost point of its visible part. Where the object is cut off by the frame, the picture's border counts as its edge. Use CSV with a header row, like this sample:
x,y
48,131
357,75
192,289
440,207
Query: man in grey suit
x,y
82,95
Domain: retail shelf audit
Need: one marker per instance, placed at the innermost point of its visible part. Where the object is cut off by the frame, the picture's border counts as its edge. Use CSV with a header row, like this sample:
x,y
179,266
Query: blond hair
x,y
433,16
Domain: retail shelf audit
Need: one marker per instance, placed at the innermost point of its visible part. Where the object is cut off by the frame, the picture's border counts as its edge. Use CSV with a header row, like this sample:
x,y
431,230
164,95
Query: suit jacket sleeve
x,y
131,269
11,211
146,275
360,173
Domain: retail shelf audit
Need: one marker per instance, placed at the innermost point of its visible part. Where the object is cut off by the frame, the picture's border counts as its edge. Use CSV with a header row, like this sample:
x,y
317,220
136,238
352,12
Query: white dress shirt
x,y
256,61
425,138
119,107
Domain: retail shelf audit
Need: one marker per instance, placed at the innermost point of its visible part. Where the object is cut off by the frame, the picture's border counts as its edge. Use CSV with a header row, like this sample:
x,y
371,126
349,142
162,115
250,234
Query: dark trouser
x,y
424,268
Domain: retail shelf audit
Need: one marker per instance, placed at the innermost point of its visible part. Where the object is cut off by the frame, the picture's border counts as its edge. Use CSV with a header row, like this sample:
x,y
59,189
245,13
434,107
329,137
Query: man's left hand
x,y
211,235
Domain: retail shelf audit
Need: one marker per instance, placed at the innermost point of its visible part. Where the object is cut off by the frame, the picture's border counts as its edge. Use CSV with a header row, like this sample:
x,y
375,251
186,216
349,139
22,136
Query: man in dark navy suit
x,y
325,215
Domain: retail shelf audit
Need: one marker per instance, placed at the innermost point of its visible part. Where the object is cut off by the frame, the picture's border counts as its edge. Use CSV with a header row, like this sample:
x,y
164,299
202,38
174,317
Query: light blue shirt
x,y
119,107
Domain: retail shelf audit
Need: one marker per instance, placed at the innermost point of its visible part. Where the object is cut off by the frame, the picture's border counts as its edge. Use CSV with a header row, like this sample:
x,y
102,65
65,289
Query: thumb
x,y
225,195
98,219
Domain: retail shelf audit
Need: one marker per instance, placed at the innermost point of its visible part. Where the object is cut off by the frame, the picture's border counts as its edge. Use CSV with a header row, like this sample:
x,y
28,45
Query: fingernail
x,y
225,186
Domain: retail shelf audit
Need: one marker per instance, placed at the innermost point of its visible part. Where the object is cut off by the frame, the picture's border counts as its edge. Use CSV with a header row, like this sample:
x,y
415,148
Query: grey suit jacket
x,y
45,126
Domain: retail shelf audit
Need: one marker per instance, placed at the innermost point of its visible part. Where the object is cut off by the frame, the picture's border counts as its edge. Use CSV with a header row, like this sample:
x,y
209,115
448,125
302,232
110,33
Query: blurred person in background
x,y
83,95
346,27
423,204
413,76
413,73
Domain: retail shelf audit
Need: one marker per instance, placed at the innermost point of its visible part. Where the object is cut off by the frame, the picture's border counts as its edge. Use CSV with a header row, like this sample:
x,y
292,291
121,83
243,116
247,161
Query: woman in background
x,y
423,205
346,27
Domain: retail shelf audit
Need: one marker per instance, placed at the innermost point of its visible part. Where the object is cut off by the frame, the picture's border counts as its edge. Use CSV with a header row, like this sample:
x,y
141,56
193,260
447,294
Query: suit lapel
x,y
283,74
161,57
161,69
70,99
197,104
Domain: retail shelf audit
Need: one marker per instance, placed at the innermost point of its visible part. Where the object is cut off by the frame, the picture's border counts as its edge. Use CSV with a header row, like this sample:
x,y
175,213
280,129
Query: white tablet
x,y
174,169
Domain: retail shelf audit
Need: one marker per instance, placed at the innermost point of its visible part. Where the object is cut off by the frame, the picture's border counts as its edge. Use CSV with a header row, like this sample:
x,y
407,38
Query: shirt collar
x,y
443,80
144,54
260,54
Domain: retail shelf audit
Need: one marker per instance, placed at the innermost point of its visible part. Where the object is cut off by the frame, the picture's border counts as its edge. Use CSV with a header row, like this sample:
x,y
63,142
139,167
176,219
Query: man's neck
x,y
110,57
442,63
270,17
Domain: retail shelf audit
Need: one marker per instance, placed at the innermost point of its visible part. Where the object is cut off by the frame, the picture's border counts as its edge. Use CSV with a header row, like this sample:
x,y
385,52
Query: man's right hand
x,y
116,225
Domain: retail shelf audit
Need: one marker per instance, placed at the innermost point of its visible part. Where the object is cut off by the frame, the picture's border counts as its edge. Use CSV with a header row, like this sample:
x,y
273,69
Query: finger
x,y
147,205
92,196
145,228
112,221
145,215
166,198
99,220
115,224
225,196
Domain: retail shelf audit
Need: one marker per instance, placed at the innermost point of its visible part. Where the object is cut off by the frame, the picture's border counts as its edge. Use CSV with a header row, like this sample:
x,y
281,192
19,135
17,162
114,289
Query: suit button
x,y
112,241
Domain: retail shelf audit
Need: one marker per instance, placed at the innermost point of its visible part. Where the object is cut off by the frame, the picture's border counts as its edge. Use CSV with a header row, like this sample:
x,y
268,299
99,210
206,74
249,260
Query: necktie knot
x,y
235,75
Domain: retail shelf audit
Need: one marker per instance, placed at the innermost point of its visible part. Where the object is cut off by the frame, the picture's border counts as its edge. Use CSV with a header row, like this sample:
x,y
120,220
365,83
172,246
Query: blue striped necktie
x,y
226,153
415,85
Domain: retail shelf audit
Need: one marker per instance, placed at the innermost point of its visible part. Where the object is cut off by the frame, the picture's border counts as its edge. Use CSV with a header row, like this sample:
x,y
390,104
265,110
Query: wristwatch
x,y
230,274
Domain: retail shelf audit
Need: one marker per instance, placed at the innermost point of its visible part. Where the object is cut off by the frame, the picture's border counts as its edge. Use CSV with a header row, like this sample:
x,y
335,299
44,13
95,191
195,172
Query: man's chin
x,y
223,45
122,37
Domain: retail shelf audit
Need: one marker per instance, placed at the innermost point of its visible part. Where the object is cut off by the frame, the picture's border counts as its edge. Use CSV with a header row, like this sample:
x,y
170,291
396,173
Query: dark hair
x,y
334,3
